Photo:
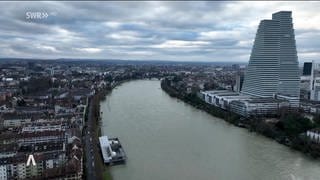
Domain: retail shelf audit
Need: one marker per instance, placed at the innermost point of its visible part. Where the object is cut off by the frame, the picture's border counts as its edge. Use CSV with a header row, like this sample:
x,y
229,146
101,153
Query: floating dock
x,y
112,151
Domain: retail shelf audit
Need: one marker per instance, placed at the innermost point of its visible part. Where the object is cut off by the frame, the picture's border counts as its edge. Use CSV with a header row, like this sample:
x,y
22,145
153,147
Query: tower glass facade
x,y
273,65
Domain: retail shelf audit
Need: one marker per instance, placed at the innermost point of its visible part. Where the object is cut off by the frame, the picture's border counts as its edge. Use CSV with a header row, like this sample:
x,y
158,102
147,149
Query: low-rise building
x,y
12,120
245,105
294,101
222,98
257,107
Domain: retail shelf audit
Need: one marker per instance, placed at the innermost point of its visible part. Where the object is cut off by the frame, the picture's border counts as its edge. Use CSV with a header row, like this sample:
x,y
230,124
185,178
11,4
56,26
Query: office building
x,y
273,65
307,66
272,80
239,82
315,82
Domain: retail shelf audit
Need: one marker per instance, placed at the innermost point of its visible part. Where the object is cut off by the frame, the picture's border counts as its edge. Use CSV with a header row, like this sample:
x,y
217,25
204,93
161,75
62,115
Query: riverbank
x,y
261,126
102,171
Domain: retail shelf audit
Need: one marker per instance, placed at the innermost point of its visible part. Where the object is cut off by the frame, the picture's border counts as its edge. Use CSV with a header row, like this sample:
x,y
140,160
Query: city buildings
x,y
43,107
42,121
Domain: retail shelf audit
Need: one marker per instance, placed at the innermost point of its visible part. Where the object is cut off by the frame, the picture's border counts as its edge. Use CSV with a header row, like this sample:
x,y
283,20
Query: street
x,y
89,152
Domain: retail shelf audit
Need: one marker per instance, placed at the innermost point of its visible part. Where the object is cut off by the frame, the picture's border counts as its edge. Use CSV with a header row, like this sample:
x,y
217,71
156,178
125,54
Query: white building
x,y
222,98
105,149
257,106
315,82
246,105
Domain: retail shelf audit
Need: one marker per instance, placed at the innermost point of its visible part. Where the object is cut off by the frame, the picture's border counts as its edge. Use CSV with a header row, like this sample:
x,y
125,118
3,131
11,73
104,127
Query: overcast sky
x,y
180,31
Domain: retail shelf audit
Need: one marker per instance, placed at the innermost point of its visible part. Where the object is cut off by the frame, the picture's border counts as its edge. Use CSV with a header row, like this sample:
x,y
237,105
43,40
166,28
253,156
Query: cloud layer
x,y
180,31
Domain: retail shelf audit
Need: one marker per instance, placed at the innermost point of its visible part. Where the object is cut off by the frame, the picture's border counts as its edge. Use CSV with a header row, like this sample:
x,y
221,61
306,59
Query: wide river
x,y
167,139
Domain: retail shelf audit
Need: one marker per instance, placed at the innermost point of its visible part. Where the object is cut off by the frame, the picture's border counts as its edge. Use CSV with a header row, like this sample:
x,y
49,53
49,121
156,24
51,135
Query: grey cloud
x,y
135,28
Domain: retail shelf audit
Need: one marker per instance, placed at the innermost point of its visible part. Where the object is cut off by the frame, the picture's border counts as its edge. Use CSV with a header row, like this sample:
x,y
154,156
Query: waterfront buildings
x,y
222,98
272,80
244,105
273,65
257,107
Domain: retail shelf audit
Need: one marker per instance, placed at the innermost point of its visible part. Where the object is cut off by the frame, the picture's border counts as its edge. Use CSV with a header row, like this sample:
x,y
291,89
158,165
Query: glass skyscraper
x,y
273,65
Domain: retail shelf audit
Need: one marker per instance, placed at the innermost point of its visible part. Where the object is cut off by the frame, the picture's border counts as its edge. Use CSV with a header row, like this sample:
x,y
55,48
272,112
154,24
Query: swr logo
x,y
36,15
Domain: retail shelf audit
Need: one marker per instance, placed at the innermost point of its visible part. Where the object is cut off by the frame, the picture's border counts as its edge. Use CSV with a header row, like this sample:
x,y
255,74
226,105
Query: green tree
x,y
295,124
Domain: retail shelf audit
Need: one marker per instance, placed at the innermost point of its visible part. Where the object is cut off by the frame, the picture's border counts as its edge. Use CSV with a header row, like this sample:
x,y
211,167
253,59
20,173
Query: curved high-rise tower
x,y
273,65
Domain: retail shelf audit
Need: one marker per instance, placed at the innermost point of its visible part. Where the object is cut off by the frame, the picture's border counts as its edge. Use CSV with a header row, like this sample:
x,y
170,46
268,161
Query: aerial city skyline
x,y
149,31
159,90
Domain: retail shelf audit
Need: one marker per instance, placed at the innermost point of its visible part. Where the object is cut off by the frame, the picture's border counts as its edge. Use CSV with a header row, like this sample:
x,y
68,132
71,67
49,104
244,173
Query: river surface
x,y
167,139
